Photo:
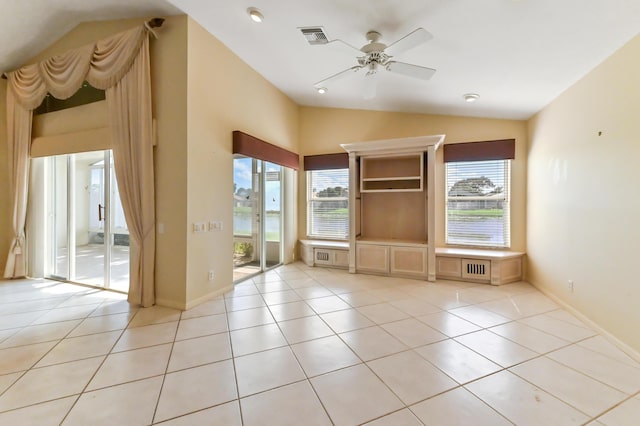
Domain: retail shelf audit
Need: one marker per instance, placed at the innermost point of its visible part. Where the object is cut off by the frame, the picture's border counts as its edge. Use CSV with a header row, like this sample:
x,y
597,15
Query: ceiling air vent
x,y
315,35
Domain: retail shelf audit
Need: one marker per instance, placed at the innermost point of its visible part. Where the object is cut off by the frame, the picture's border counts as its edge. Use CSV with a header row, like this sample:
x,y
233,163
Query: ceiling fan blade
x,y
411,40
410,70
337,76
370,86
345,47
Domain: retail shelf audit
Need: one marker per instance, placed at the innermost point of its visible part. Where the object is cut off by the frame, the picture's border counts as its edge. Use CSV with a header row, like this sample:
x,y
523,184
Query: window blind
x,y
328,203
478,210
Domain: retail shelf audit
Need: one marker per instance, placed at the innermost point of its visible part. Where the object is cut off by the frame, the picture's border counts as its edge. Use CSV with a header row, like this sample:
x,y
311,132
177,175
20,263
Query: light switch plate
x,y
215,225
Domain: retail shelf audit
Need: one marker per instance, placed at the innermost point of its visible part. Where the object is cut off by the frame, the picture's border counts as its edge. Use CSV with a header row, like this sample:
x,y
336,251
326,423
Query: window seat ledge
x,y
338,245
477,253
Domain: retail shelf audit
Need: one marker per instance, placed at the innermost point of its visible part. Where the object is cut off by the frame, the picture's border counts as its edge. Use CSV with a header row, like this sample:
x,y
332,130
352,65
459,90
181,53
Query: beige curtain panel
x,y
120,66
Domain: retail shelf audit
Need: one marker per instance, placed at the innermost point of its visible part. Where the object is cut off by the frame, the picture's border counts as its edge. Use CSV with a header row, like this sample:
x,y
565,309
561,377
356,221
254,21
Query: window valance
x,y
251,146
102,64
504,149
326,161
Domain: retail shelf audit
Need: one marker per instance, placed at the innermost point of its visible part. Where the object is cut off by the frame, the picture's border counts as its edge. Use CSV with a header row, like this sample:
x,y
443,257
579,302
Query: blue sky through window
x,y
243,177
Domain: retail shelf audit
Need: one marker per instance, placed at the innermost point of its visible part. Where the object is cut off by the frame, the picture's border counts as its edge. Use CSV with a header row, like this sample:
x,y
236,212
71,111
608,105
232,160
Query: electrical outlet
x,y
212,275
570,286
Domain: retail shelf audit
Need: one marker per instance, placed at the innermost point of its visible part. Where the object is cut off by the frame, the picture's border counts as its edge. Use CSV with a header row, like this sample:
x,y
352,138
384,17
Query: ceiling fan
x,y
375,55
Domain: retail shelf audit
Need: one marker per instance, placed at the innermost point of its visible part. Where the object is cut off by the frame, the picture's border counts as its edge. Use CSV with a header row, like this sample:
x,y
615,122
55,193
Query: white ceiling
x,y
27,27
517,54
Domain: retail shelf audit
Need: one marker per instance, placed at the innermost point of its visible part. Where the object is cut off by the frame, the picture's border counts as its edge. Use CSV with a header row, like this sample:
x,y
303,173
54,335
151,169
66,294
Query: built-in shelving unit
x,y
398,173
392,204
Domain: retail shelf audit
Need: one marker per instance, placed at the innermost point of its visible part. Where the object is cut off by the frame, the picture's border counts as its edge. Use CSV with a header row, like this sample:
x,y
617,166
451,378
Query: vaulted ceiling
x,y
518,55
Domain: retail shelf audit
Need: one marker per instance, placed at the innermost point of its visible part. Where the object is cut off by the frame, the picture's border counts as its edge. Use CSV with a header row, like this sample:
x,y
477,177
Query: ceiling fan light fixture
x,y
322,90
470,97
255,14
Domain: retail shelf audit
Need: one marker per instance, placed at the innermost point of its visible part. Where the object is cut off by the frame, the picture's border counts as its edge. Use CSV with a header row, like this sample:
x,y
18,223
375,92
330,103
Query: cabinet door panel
x,y
409,261
372,258
448,267
341,258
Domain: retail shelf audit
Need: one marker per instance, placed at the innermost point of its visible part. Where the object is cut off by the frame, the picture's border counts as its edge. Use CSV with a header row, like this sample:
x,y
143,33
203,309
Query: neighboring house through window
x,y
327,196
478,180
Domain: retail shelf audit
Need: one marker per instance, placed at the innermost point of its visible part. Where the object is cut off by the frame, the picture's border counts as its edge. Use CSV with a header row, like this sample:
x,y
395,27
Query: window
x,y
328,203
478,211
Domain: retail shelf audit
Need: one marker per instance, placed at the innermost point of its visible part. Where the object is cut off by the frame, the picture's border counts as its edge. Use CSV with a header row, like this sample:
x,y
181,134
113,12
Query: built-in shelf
x,y
392,173
397,185
392,211
392,241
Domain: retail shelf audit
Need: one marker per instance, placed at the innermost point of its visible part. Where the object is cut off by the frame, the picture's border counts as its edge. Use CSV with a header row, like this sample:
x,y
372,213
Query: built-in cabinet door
x,y
409,261
448,267
372,258
394,260
341,258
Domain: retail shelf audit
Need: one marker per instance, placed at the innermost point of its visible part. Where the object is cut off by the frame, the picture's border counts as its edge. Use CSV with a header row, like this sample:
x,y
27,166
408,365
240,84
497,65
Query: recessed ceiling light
x,y
322,90
470,97
255,14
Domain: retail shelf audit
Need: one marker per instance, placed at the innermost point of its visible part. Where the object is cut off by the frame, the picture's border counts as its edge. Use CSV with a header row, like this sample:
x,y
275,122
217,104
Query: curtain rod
x,y
153,23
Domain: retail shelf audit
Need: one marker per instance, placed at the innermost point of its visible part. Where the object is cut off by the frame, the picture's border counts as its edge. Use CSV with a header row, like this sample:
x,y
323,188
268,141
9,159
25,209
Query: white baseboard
x,y
193,303
604,333
200,300
170,304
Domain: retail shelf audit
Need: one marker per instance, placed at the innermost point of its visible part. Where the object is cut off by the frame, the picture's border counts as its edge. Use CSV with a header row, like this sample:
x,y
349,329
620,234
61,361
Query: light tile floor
x,y
309,346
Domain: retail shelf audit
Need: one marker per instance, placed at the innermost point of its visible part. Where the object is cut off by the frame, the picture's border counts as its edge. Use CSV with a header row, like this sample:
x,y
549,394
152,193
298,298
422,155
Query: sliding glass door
x,y
257,216
88,239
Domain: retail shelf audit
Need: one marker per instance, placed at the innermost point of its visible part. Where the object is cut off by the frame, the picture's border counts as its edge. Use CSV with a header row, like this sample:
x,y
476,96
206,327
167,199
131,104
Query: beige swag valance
x,y
102,65
120,66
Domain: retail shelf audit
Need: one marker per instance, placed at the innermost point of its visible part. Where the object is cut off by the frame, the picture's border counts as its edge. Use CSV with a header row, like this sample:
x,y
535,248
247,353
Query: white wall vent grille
x,y
315,35
322,257
476,269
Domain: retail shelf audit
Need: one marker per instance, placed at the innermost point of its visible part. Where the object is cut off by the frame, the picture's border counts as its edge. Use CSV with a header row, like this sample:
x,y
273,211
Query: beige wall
x,y
5,196
583,204
224,95
169,92
322,130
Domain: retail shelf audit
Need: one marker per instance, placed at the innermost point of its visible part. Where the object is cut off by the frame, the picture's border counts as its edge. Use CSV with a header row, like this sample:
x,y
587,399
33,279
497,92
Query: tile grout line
x,y
307,379
479,378
166,368
589,416
97,369
388,302
32,367
233,358
409,349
